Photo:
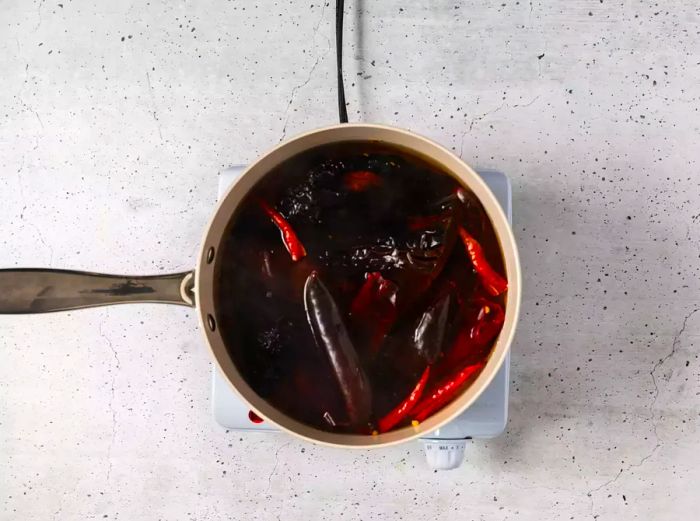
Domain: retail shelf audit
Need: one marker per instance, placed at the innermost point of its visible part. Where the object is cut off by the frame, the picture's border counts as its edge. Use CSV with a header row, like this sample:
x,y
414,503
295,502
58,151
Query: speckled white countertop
x,y
117,116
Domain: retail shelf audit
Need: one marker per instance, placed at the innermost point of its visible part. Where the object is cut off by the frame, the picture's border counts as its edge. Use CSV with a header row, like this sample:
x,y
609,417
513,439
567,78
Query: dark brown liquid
x,y
358,208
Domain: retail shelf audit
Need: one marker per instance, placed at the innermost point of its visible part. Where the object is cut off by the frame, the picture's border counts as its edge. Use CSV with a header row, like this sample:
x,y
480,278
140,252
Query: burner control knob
x,y
444,454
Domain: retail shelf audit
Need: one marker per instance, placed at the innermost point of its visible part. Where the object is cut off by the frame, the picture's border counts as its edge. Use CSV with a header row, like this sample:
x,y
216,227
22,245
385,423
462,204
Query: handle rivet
x,y
210,254
211,323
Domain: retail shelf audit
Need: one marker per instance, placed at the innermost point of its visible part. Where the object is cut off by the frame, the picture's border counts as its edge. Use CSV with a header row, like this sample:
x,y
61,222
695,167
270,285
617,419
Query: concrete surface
x,y
116,118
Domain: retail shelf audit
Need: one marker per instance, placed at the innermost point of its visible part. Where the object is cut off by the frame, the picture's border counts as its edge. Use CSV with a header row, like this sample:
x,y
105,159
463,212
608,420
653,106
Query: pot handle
x,y
43,290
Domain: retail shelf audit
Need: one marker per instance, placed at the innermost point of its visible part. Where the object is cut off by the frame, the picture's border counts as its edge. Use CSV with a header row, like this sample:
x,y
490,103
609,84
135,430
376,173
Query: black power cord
x,y
342,109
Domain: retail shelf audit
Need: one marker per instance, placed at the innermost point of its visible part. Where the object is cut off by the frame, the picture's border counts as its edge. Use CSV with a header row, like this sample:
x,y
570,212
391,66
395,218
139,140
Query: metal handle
x,y
43,291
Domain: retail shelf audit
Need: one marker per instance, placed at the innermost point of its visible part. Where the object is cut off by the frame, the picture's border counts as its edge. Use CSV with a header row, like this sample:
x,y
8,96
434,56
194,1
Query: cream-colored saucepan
x,y
42,290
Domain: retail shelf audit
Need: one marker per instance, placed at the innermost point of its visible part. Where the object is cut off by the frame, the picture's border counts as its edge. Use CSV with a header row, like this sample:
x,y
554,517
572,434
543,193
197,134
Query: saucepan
x,y
47,290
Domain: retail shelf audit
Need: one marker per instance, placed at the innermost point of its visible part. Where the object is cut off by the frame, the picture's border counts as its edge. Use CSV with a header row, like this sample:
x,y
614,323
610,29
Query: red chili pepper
x,y
373,310
289,237
482,324
374,286
397,414
444,392
492,281
361,180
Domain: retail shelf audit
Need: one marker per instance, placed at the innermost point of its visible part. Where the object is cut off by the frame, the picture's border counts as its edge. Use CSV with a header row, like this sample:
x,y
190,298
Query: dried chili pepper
x,y
367,293
444,392
373,310
481,326
492,281
397,414
289,237
428,253
429,334
361,180
331,336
